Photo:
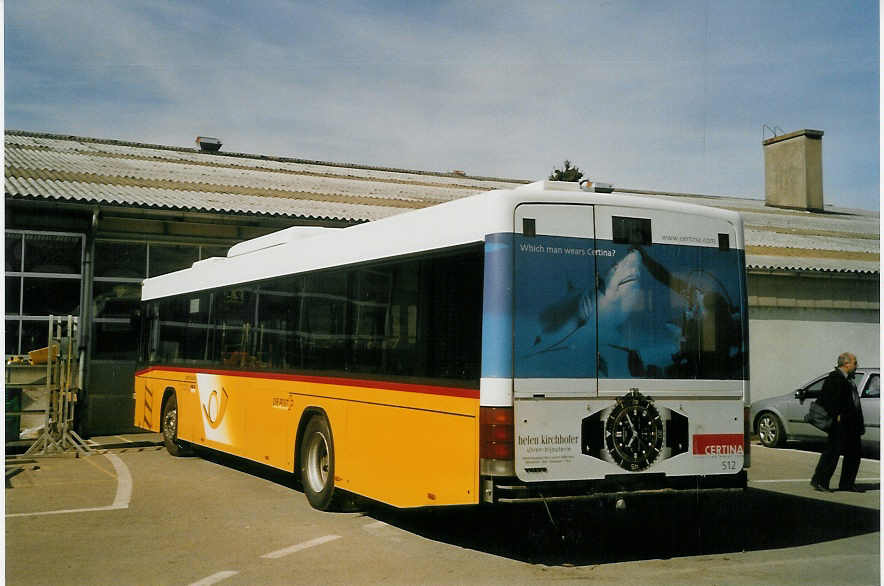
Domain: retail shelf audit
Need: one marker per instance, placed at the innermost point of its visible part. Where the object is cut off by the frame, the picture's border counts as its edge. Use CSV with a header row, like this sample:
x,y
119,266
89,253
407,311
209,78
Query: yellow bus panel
x,y
402,444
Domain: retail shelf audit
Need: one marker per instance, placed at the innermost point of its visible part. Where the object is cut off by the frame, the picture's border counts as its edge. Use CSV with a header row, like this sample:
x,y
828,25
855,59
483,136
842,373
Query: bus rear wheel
x,y
318,464
169,425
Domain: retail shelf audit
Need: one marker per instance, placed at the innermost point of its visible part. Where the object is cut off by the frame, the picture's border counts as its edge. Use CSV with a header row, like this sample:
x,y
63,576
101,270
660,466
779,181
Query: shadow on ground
x,y
650,528
819,447
591,533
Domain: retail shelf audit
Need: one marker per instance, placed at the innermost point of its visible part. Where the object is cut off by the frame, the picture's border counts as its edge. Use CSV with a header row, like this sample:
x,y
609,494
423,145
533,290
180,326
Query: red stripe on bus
x,y
327,380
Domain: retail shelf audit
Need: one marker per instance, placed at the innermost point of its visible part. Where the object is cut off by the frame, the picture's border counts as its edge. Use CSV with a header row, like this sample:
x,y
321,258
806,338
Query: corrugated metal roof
x,y
151,176
21,161
196,200
798,264
809,241
82,169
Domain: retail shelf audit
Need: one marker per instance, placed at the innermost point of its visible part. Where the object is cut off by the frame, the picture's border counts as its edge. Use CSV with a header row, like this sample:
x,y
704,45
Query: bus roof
x,y
455,223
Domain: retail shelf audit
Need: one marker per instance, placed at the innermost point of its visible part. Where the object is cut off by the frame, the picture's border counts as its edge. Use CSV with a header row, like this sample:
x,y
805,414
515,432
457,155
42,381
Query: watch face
x,y
634,432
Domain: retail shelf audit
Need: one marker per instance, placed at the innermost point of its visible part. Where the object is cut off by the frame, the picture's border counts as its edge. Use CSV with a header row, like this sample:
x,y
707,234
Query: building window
x,y
43,277
167,258
13,295
52,253
120,259
120,266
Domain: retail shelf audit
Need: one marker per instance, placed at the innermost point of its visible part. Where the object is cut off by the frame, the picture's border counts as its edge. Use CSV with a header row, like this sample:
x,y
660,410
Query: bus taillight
x,y
496,433
747,437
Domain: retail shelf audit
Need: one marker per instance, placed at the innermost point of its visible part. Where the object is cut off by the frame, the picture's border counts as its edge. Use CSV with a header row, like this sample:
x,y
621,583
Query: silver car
x,y
781,419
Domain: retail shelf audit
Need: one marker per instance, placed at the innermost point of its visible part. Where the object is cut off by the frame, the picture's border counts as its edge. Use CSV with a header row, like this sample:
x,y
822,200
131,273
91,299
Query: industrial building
x,y
87,219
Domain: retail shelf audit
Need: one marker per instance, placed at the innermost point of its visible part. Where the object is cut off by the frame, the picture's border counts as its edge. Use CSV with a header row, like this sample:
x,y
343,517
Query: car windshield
x,y
814,388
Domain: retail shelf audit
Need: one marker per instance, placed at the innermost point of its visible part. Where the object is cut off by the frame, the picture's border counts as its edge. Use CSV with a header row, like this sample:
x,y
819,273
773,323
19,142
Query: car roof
x,y
859,370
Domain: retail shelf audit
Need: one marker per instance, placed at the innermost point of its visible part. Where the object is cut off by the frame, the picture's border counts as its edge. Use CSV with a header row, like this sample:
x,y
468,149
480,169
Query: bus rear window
x,y
657,311
631,230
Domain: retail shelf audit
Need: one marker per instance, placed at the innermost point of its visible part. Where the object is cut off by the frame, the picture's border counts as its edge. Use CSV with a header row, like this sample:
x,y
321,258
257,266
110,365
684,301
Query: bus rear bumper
x,y
512,490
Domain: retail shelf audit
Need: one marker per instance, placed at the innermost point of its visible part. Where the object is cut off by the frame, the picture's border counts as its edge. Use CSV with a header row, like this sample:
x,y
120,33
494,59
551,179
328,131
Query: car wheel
x,y
770,430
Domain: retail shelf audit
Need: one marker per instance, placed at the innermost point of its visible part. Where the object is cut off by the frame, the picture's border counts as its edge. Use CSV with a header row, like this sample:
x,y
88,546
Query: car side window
x,y
812,391
873,387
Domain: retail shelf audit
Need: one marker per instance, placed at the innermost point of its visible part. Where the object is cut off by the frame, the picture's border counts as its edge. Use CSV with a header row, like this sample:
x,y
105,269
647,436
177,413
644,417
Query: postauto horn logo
x,y
213,400
215,406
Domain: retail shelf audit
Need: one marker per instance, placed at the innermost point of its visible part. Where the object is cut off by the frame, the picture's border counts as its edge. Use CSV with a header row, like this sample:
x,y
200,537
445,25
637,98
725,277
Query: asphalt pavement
x,y
132,514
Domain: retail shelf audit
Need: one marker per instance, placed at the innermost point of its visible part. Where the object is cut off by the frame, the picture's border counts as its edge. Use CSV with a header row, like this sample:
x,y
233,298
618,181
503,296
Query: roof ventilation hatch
x,y
207,143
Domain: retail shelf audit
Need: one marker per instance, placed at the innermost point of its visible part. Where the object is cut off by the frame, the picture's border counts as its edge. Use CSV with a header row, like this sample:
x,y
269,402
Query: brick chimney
x,y
793,170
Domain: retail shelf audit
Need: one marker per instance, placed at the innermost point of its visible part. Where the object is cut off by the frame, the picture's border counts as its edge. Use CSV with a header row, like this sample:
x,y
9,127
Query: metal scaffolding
x,y
61,385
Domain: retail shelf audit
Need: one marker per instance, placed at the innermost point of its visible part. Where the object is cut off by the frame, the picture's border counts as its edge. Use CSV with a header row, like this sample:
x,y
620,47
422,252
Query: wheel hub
x,y
317,462
170,424
767,430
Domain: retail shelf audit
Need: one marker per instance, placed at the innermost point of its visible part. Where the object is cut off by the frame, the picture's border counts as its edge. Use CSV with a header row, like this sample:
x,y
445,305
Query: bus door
x,y
554,337
671,344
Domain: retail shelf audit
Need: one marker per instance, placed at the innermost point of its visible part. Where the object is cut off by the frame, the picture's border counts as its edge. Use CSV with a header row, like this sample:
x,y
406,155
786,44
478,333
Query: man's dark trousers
x,y
851,447
825,467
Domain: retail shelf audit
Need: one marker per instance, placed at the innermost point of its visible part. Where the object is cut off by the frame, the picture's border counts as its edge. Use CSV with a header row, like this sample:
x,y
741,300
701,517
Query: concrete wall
x,y
789,345
799,323
814,291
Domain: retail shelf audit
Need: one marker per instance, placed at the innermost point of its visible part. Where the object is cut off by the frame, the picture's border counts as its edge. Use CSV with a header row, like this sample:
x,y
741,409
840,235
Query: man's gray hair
x,y
844,358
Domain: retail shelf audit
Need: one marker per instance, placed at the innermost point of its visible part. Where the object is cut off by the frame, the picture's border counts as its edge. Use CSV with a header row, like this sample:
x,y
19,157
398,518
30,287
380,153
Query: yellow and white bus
x,y
552,341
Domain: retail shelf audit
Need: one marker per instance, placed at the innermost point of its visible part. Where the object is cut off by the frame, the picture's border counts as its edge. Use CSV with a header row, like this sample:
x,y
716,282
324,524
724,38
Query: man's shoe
x,y
819,487
852,488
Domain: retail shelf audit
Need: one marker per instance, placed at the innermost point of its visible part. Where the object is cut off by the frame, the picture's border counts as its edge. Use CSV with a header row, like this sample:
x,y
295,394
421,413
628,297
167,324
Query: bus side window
x,y
233,314
371,306
324,322
276,334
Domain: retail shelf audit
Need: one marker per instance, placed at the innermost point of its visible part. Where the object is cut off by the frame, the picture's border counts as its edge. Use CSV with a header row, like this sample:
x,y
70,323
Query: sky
x,y
669,96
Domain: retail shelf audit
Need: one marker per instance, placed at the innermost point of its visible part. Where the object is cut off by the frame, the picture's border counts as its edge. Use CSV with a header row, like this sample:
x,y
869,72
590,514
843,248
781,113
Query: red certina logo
x,y
718,444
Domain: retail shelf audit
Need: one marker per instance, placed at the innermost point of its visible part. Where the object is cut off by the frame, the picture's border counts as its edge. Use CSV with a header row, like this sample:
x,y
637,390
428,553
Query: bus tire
x,y
318,464
169,428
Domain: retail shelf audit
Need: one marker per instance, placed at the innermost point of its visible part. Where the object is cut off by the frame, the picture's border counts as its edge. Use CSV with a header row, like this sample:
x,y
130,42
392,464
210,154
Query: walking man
x,y
841,400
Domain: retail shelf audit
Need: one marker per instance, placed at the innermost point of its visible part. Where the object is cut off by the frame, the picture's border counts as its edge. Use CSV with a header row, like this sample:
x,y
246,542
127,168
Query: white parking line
x,y
375,525
804,480
215,578
121,499
816,561
124,483
799,451
301,546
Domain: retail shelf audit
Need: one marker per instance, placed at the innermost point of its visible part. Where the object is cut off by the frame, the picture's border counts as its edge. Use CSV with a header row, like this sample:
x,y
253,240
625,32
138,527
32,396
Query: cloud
x,y
647,96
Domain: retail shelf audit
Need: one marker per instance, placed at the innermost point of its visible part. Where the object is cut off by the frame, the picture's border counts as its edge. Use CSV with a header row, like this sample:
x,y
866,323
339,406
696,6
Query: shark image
x,y
563,318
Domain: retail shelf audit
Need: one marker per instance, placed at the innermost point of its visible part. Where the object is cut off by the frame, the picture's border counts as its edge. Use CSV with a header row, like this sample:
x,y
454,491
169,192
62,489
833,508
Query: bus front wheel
x,y
318,464
170,428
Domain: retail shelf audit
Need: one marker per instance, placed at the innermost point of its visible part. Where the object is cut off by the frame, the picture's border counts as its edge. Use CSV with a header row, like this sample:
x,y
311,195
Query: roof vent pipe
x,y
209,144
596,186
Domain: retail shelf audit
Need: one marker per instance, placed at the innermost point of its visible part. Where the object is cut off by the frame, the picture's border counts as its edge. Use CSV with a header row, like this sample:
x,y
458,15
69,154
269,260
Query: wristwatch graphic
x,y
634,432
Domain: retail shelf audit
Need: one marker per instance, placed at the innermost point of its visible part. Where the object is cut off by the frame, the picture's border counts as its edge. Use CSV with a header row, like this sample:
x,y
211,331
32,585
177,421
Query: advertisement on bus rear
x,y
586,308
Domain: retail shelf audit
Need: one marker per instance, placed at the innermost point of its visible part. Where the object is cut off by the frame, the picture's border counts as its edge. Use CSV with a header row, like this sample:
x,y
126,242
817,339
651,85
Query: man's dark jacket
x,y
837,397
